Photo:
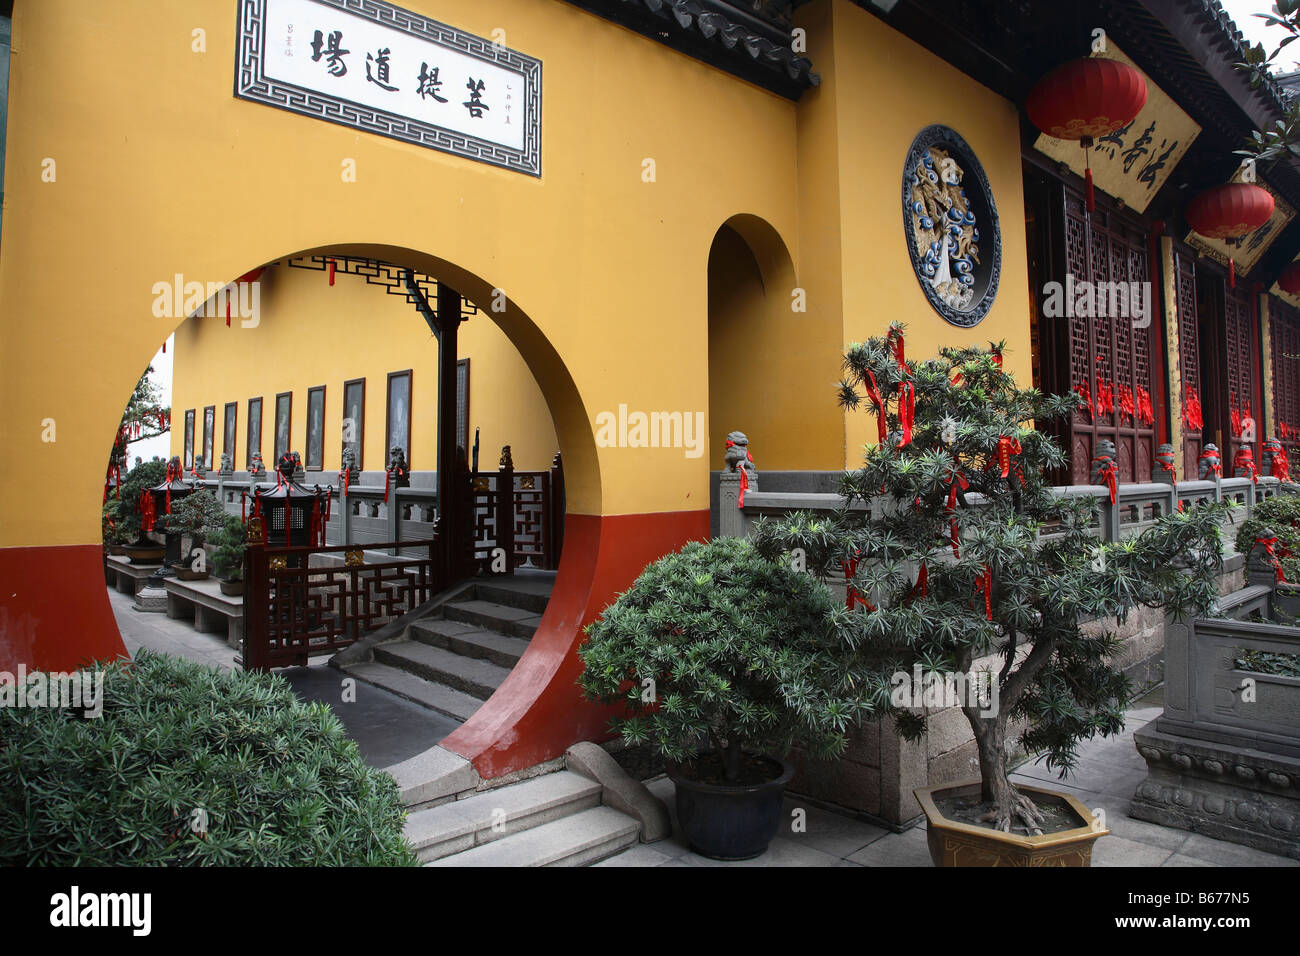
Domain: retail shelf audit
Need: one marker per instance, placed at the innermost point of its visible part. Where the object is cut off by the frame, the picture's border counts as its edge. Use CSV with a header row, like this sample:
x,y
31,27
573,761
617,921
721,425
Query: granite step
x,y
490,616
439,697
527,594
496,814
469,641
476,677
578,840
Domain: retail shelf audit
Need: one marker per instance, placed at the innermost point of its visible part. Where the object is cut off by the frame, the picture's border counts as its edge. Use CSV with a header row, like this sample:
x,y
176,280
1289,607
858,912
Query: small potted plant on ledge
x,y
228,558
968,568
198,515
725,661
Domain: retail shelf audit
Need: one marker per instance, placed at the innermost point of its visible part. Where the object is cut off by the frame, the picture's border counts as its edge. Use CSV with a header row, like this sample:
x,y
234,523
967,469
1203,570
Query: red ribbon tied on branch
x,y
922,583
148,510
1273,560
958,480
1107,474
906,410
1006,448
985,583
851,595
873,393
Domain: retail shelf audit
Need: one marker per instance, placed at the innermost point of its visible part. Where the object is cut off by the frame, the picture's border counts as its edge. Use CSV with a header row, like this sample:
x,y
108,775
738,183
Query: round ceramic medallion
x,y
951,226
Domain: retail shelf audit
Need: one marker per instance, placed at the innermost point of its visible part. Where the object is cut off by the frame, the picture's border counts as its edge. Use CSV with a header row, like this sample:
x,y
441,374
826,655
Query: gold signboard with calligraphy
x,y
1287,297
1132,163
1254,245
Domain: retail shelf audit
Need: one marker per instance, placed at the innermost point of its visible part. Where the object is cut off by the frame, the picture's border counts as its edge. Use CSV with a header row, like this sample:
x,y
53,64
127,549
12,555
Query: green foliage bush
x,y
742,652
279,782
199,515
228,559
1281,514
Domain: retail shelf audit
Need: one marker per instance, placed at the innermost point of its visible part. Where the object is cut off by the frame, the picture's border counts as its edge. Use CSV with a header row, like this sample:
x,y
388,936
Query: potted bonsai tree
x,y
198,515
127,513
966,555
228,558
724,661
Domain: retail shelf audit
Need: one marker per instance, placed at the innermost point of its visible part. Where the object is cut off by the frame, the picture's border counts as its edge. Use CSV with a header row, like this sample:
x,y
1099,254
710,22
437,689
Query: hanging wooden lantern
x,y
1230,212
1084,99
1289,280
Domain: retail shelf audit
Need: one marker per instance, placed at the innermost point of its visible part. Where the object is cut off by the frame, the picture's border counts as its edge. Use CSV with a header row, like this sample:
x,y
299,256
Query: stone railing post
x,y
731,519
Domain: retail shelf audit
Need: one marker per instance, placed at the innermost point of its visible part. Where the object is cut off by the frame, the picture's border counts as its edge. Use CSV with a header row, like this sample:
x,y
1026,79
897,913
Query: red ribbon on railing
x,y
1107,474
387,475
1234,417
744,475
851,595
1246,461
1216,468
1281,466
1273,560
985,583
1105,396
873,393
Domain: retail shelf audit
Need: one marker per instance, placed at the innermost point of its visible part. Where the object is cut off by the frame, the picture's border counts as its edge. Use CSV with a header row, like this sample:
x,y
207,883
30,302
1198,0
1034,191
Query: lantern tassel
x,y
1232,273
331,264
1088,192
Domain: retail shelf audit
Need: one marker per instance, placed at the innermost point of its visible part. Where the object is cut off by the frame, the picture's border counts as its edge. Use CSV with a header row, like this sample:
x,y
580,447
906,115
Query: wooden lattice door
x,y
1241,376
1189,360
1110,352
1284,348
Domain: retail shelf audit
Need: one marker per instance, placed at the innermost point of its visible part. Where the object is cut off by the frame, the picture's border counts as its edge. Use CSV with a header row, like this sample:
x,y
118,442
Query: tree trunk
x,y
731,754
1009,807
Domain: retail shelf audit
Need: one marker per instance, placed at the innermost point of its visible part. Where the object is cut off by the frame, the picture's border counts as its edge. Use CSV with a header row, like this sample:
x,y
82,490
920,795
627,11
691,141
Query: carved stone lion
x,y
1210,462
1163,470
256,467
227,466
1105,456
738,458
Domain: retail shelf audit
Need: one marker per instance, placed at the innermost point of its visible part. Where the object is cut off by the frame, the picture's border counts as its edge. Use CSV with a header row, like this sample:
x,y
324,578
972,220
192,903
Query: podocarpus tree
x,y
965,552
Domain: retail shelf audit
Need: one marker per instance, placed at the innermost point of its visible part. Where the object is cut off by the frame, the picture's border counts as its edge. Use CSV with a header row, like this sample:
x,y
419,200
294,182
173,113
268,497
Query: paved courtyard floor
x,y
388,729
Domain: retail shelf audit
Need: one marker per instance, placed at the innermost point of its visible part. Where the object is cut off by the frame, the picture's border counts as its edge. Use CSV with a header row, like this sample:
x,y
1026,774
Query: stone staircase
x,y
456,658
556,819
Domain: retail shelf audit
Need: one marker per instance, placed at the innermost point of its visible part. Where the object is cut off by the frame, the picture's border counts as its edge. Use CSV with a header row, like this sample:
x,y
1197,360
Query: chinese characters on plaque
x,y
383,69
1132,163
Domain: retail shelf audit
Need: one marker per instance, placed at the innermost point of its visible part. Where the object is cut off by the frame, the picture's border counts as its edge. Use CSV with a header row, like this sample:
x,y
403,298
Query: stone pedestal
x,y
731,520
151,600
1221,790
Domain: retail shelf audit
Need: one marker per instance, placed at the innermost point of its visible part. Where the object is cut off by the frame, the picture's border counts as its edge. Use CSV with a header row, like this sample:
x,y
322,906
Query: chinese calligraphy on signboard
x,y
1254,245
1132,163
378,68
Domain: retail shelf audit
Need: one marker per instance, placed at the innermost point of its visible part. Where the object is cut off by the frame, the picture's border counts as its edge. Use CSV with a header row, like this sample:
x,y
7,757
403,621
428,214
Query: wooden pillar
x,y
449,317
1174,375
1268,422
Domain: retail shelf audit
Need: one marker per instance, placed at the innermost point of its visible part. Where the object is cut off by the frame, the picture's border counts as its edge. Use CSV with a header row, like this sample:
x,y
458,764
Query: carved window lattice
x,y
1239,360
1284,346
1189,356
1103,248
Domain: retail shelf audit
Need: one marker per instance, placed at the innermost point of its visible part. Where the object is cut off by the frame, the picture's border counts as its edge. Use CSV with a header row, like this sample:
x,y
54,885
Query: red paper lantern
x,y
1230,212
1289,280
1086,98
